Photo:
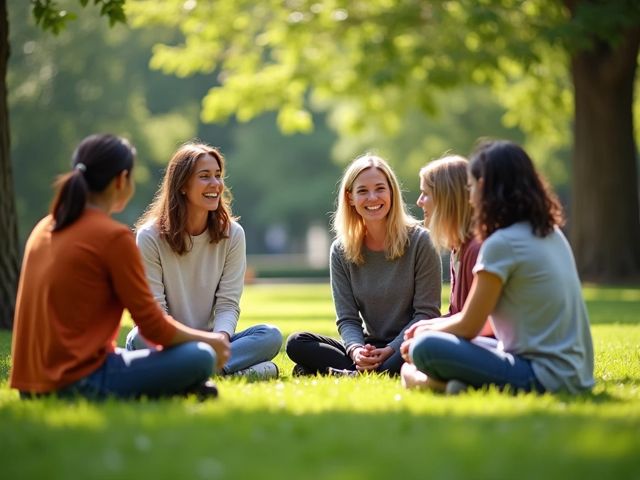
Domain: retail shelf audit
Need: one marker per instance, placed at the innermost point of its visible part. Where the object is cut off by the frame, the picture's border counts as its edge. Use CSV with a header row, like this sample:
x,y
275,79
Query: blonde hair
x,y
168,210
349,225
450,224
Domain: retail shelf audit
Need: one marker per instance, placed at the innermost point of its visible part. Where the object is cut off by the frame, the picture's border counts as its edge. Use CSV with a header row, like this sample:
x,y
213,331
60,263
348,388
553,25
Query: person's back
x,y
540,314
68,308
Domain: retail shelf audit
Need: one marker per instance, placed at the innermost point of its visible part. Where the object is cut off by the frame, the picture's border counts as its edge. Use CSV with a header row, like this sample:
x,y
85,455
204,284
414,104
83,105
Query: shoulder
x,y
505,241
116,238
147,233
336,251
336,247
471,247
419,238
149,229
419,233
103,225
236,232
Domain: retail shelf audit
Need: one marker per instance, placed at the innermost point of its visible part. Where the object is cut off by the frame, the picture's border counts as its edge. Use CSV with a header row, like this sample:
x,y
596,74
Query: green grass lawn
x,y
351,428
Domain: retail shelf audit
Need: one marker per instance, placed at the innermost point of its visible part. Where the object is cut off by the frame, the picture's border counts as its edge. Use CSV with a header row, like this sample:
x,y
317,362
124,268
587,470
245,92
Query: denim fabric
x,y
256,344
152,373
444,356
259,343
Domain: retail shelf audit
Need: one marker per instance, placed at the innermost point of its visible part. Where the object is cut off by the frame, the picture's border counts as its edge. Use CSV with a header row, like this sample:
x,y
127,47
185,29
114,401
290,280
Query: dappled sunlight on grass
x,y
335,427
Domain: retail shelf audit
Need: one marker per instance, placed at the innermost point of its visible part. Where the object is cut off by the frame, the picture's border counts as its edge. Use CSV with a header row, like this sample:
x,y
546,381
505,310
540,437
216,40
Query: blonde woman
x,y
194,254
385,276
525,278
448,214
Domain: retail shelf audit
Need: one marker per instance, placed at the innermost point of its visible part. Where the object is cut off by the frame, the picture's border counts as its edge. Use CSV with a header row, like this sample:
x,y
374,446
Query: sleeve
x,y
348,318
461,287
127,275
468,262
496,256
150,252
227,305
428,285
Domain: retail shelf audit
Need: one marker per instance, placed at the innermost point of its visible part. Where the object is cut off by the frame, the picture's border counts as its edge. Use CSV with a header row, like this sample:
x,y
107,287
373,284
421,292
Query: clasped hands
x,y
369,358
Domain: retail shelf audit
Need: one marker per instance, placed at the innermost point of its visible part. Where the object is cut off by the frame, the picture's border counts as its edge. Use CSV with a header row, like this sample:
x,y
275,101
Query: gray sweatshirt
x,y
201,288
377,301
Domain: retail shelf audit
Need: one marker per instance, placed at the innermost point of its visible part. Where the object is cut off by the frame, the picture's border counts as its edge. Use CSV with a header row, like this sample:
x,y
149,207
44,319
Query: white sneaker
x,y
259,371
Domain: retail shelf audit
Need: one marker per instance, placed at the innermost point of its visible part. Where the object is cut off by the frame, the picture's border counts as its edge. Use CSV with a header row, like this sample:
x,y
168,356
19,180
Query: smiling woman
x,y
385,275
194,255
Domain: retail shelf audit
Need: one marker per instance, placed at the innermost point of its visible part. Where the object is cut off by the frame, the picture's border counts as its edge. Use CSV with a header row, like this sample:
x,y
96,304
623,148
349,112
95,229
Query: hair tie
x,y
81,166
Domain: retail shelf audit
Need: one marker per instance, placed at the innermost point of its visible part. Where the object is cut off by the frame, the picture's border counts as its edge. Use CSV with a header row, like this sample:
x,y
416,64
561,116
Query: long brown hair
x,y
97,160
168,210
512,190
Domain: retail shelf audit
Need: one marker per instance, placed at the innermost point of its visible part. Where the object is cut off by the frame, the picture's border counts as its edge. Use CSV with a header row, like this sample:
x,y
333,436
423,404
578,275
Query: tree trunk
x,y
8,219
605,220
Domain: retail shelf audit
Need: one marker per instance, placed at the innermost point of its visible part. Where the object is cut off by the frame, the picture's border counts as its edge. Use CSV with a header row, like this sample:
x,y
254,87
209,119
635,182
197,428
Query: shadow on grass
x,y
172,439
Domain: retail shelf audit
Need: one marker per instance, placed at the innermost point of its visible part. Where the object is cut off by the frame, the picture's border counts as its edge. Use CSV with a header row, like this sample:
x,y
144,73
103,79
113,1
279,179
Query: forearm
x,y
226,321
351,333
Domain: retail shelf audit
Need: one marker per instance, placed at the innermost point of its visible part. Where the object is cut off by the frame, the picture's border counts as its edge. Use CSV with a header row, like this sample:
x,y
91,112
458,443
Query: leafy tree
x,y
50,17
90,78
377,59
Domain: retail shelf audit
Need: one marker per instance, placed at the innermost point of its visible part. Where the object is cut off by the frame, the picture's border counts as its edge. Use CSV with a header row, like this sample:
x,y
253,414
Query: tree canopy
x,y
372,61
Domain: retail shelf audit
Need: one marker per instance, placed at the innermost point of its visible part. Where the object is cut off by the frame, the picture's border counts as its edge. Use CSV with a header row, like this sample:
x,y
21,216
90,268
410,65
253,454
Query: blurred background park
x,y
286,136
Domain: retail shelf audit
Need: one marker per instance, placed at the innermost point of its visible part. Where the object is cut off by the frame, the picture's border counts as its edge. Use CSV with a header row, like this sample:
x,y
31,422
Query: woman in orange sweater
x,y
80,270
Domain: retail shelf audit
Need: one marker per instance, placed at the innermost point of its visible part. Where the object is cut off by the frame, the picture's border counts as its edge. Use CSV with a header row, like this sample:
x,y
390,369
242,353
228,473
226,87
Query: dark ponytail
x,y
97,160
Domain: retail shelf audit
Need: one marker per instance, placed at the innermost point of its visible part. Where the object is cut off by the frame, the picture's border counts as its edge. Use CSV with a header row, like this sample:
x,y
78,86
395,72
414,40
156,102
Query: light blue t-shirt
x,y
540,314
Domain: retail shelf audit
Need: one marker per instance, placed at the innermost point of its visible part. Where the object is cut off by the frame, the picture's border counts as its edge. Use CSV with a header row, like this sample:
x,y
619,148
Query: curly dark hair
x,y
512,190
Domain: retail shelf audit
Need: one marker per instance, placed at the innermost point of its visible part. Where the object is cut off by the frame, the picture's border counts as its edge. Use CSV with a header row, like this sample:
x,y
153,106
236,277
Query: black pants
x,y
316,353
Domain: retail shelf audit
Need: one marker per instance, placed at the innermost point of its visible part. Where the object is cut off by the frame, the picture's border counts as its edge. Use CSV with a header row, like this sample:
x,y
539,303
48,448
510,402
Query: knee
x,y
202,358
273,337
428,348
294,344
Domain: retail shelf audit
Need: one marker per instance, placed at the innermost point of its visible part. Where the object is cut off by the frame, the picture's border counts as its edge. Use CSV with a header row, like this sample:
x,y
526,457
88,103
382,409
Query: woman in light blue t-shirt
x,y
525,279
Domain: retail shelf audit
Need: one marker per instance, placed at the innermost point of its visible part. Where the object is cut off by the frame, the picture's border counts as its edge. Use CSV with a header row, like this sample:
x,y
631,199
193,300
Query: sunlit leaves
x,y
280,56
49,15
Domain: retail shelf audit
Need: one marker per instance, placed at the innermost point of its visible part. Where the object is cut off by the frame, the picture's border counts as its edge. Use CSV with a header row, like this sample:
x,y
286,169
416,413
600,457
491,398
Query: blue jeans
x,y
152,373
444,357
256,344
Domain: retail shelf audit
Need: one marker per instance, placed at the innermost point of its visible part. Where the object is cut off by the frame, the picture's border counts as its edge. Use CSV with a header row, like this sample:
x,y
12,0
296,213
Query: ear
x,y
350,198
122,179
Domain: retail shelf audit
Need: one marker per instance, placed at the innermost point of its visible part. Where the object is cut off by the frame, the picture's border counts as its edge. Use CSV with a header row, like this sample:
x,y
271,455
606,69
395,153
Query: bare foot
x,y
412,378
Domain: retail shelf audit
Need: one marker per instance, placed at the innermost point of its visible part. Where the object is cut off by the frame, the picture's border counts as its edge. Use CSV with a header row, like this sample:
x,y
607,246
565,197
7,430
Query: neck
x,y
375,236
100,202
197,223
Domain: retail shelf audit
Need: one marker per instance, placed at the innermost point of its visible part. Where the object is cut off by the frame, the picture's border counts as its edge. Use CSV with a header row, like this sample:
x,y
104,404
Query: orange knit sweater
x,y
73,288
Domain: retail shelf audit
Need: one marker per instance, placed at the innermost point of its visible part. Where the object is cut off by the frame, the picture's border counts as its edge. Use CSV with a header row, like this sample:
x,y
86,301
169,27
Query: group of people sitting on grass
x,y
516,319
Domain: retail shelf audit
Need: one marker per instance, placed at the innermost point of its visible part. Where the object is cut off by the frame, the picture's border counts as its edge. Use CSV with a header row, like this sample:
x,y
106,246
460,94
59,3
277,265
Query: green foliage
x,y
327,428
375,63
384,56
90,78
49,16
